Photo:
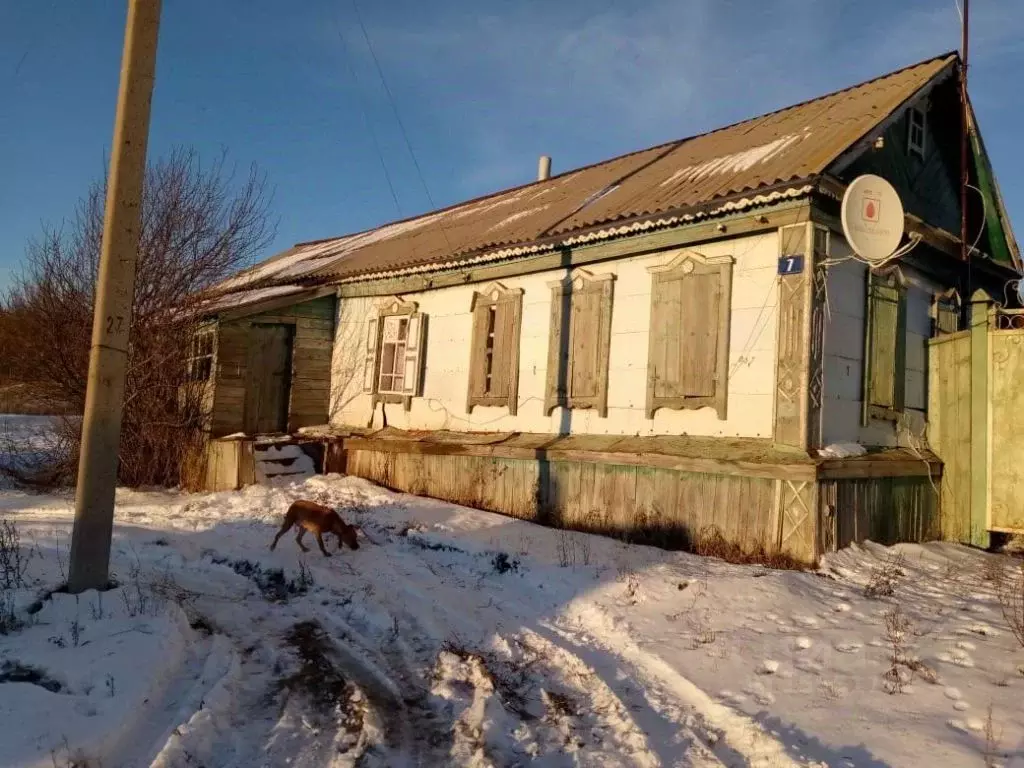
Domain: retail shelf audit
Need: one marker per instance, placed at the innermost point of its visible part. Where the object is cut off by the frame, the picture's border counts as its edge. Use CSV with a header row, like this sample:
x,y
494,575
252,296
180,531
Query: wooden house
x,y
659,345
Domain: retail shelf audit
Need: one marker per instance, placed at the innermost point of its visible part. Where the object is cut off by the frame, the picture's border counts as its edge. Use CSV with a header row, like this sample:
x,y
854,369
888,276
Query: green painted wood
x,y
981,303
927,187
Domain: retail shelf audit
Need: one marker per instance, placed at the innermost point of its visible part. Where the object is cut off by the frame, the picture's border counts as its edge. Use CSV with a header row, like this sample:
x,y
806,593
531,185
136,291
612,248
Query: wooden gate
x,y
268,379
976,423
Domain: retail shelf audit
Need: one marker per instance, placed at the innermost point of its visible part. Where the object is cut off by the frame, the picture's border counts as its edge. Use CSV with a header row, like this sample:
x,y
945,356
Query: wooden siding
x,y
655,505
311,365
885,510
1006,425
949,428
928,187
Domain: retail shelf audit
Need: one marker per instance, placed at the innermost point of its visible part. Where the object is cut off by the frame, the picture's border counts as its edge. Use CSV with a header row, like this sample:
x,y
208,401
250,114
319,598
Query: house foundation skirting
x,y
803,509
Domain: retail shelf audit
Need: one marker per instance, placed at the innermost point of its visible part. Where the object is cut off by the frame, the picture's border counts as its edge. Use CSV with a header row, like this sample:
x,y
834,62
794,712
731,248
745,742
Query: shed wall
x,y
311,365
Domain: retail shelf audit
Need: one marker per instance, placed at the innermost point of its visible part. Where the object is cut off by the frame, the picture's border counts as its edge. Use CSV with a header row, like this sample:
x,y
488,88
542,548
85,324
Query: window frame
x,y
947,302
684,265
413,352
488,302
893,279
578,283
915,147
197,355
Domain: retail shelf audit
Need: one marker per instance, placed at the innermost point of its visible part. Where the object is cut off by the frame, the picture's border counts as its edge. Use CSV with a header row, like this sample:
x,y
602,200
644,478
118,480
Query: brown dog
x,y
318,520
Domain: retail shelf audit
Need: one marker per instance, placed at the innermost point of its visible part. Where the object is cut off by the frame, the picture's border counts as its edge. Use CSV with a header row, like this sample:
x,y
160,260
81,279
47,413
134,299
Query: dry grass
x,y
710,542
1010,590
992,739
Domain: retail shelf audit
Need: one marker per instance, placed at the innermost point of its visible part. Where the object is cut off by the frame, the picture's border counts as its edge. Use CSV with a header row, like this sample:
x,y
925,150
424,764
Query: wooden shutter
x,y
885,358
581,314
478,354
507,306
585,326
413,363
501,364
689,334
370,357
557,373
698,322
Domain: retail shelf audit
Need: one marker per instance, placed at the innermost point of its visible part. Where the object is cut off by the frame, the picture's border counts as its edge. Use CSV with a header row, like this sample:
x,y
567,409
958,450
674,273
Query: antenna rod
x,y
964,137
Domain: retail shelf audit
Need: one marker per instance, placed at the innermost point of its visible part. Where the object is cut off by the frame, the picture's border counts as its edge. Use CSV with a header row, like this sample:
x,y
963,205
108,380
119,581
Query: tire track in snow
x,y
744,739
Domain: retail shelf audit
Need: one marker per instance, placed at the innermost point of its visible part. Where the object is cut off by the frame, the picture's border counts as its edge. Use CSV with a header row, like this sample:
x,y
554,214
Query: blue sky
x,y
481,87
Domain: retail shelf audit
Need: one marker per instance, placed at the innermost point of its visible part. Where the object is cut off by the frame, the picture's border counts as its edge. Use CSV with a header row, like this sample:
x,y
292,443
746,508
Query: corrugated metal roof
x,y
746,164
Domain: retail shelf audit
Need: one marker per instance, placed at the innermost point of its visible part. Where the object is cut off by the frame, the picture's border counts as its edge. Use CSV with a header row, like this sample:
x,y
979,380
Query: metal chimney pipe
x,y
544,168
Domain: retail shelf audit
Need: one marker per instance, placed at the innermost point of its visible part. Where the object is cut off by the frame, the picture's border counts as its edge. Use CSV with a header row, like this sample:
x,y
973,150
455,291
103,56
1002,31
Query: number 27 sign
x,y
791,265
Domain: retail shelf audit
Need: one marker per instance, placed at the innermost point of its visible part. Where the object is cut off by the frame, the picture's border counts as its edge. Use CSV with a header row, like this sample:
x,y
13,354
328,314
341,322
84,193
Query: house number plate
x,y
791,265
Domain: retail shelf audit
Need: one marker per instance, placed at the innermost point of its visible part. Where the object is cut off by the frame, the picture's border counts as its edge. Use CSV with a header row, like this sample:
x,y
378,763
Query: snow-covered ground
x,y
459,637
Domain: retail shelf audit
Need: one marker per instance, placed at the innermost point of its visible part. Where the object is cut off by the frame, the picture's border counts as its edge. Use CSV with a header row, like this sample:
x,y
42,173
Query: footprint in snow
x,y
841,608
980,629
952,693
963,645
760,694
802,643
961,706
848,647
768,667
956,657
806,621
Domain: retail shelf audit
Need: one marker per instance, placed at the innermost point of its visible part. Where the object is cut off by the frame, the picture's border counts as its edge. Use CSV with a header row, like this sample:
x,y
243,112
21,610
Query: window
x,y
494,354
394,353
580,337
916,131
946,313
200,356
885,358
688,363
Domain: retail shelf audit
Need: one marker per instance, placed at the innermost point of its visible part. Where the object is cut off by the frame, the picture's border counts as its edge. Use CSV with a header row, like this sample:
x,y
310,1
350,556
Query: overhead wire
x,y
366,117
398,119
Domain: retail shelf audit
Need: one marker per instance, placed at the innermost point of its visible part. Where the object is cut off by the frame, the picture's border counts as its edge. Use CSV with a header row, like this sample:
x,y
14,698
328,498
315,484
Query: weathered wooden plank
x,y
690,464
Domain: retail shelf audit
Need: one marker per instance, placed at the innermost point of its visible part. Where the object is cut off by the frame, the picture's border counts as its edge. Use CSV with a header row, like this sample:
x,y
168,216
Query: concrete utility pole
x,y
112,316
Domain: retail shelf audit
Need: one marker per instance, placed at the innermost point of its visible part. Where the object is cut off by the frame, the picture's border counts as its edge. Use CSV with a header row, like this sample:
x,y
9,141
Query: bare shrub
x,y
897,626
13,560
566,550
903,667
992,739
198,227
1011,600
585,549
883,579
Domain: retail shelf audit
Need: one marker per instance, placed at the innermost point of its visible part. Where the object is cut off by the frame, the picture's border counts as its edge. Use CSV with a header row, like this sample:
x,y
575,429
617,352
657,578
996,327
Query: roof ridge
x,y
674,144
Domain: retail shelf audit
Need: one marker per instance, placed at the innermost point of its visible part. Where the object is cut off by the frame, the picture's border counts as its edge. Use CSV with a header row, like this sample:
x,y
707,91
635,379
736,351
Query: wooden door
x,y
268,379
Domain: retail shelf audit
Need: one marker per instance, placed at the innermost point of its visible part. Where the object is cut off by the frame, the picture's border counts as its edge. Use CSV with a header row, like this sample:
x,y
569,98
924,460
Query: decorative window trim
x,y
917,121
202,360
950,303
578,282
895,278
690,263
412,352
493,295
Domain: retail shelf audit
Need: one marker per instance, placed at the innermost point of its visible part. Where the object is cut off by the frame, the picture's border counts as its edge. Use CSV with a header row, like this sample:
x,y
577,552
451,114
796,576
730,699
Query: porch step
x,y
274,461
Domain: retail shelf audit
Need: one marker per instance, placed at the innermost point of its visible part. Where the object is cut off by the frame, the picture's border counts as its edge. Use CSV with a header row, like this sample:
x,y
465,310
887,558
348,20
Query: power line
x,y
366,117
398,118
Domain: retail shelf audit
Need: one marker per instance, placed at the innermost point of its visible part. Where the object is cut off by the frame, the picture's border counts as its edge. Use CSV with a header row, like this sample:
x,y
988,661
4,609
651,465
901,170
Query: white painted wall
x,y
443,404
844,353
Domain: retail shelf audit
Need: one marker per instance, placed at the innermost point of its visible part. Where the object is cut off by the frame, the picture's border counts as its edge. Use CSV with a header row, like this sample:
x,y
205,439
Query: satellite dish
x,y
872,217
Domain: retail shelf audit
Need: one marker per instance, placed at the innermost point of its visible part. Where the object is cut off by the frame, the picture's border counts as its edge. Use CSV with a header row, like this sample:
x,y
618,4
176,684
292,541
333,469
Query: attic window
x,y
915,132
